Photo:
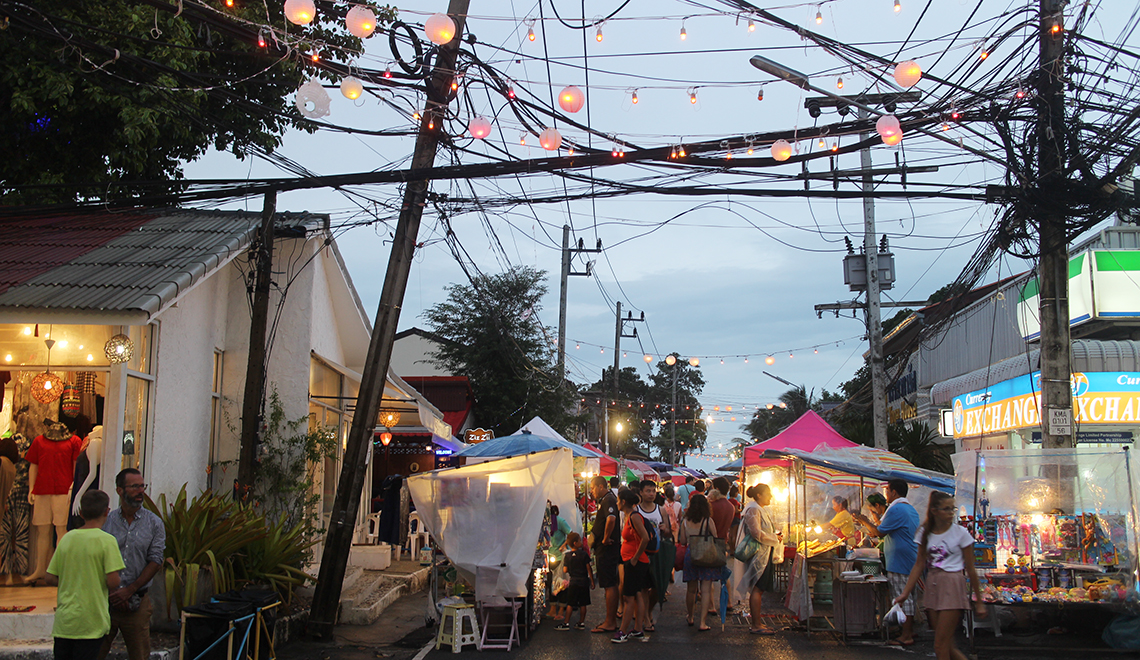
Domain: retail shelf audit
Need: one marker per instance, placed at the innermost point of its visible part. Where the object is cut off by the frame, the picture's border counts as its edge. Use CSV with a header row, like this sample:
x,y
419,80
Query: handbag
x,y
747,548
679,560
706,550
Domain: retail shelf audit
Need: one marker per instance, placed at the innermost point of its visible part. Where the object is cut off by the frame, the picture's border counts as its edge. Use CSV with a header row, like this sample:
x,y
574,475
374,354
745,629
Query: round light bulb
x,y
684,33
550,139
360,21
300,12
908,73
694,362
898,6
571,99
90,357
670,360
648,358
479,127
781,150
633,97
47,384
769,360
440,29
351,88
530,34
818,16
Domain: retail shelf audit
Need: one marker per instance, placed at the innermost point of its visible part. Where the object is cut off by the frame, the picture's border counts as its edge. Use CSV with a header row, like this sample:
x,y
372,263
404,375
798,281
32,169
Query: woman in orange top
x,y
634,539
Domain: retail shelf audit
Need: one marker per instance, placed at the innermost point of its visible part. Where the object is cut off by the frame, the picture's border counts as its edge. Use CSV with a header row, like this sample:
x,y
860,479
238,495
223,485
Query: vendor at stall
x,y
843,524
897,527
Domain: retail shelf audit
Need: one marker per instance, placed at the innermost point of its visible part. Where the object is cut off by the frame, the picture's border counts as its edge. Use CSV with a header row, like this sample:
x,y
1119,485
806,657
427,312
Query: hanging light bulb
x,y
416,115
522,139
984,53
769,360
598,35
530,34
479,127
439,28
750,148
388,71
822,143
817,351
300,12
908,73
745,359
510,92
684,32
577,345
316,57
261,39
633,97
760,94
839,83
898,6
819,15
648,358
835,145
751,25
351,88
693,95
722,360
1020,93
781,150
954,114
229,3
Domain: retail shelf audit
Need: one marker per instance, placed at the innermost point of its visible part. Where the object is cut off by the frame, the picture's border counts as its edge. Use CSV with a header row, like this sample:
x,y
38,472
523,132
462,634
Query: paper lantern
x,y
888,128
648,359
894,138
385,438
300,12
360,21
312,100
781,150
46,387
908,73
571,99
351,88
670,360
479,127
118,349
439,29
550,139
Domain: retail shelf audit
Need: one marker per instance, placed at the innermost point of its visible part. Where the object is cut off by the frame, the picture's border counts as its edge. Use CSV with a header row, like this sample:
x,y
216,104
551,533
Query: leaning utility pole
x,y
338,540
254,395
1053,269
567,256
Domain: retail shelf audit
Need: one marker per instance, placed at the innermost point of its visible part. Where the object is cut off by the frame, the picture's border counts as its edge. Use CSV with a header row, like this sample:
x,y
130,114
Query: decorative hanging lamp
x,y
118,349
47,387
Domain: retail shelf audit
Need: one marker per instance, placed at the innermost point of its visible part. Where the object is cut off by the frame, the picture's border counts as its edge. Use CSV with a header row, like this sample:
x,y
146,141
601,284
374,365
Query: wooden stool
x,y
457,637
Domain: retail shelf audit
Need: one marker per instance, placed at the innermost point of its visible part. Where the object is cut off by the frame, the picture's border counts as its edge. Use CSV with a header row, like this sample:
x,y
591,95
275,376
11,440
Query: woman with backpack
x,y
698,522
634,539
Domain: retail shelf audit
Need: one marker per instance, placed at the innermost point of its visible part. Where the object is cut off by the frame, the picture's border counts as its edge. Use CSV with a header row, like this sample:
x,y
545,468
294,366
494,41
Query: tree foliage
x,y
495,339
116,92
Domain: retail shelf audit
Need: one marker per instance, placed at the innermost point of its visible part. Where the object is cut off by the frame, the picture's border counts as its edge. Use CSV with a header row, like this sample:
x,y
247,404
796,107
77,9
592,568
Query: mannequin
x,y
94,455
52,458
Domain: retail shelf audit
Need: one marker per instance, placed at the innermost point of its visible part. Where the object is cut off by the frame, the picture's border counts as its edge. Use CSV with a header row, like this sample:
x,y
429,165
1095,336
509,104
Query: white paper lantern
x,y
300,12
312,100
889,129
360,21
781,150
893,138
550,139
479,127
439,29
908,73
351,88
571,99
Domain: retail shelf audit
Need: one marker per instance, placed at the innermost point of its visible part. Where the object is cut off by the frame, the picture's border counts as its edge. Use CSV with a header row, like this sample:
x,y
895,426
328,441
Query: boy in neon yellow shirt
x,y
86,567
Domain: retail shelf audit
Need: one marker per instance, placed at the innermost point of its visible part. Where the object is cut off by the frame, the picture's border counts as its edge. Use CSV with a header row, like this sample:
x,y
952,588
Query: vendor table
x,y
1058,607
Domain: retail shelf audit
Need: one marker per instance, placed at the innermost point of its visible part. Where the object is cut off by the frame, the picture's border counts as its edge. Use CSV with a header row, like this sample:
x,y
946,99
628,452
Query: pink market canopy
x,y
805,434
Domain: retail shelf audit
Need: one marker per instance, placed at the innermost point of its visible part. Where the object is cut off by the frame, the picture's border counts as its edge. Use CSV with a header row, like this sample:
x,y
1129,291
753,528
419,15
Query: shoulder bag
x,y
706,550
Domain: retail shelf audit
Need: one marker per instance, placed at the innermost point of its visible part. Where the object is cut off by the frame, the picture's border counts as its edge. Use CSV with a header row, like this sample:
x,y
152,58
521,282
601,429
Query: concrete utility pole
x,y
619,332
1053,269
253,398
342,523
874,314
567,257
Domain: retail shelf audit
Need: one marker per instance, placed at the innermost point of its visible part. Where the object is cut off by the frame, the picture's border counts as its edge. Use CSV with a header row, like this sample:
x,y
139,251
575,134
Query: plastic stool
x,y
458,615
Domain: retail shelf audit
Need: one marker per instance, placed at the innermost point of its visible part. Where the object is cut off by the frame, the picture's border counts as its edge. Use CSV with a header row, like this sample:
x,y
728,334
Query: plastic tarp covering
x,y
1084,480
846,466
487,518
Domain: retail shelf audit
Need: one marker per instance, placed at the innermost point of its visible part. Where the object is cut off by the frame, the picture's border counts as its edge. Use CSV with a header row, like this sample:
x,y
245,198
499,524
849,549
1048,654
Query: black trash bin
x,y
209,622
261,599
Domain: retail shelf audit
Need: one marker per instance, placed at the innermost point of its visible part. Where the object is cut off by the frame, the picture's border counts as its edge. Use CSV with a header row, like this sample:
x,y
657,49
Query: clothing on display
x,y
55,460
15,527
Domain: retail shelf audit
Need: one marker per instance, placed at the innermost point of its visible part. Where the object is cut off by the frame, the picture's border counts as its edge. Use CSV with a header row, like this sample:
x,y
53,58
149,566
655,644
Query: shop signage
x,y
1060,421
902,398
1102,284
1102,397
1093,437
475,436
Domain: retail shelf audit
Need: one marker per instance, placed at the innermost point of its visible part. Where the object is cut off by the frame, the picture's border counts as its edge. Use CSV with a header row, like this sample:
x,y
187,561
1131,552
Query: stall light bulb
x,y
261,40
985,53
454,84
510,92
692,97
751,25
90,357
431,124
388,71
229,3
1056,28
745,360
8,357
633,97
684,33
522,139
750,149
1020,93
817,529
839,83
835,145
416,115
822,143
530,34
727,156
28,330
769,360
760,94
818,16
817,351
954,114
598,36
316,57
898,6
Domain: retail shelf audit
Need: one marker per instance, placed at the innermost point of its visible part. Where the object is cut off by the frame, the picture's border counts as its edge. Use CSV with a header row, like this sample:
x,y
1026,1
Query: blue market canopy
x,y
732,466
826,464
523,442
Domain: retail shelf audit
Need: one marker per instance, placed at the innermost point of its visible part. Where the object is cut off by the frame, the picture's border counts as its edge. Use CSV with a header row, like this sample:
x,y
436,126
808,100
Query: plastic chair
x,y
457,637
417,537
373,522
500,606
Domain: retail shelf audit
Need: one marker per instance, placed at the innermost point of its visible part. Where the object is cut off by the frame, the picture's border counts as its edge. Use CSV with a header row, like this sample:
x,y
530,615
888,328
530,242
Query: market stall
x,y
607,466
488,520
1056,532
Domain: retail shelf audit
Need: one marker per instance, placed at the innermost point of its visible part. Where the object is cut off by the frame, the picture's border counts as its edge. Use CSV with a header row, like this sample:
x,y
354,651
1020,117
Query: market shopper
x,y
946,553
558,532
141,536
604,539
576,595
752,578
698,521
634,539
661,558
897,527
685,491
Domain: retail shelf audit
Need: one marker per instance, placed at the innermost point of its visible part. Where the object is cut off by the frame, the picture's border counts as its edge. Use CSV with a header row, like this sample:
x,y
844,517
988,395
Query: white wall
x,y
410,357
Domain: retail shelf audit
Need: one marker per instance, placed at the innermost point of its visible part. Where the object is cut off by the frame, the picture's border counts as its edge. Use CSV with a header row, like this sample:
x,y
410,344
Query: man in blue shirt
x,y
683,493
897,527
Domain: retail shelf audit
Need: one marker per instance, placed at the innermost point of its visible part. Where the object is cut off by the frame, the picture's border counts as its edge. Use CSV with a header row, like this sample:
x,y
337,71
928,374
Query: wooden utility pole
x,y
567,258
874,312
342,523
252,405
1053,269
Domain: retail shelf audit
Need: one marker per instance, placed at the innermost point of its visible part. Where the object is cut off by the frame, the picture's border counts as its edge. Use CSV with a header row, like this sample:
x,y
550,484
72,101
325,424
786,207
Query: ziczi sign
x,y
1100,397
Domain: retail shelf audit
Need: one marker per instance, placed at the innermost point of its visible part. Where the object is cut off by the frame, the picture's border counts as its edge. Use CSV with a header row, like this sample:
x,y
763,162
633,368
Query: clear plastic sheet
x,y
487,518
1092,492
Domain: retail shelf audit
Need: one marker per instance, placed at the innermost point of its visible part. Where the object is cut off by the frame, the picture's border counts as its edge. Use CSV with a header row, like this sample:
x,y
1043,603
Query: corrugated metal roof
x,y
134,262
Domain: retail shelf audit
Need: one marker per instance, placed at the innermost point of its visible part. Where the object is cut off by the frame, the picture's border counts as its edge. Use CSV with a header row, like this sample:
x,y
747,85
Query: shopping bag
x,y
706,550
746,549
894,616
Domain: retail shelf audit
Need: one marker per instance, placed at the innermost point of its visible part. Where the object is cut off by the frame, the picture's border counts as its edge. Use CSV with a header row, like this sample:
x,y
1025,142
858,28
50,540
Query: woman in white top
x,y
946,551
752,578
